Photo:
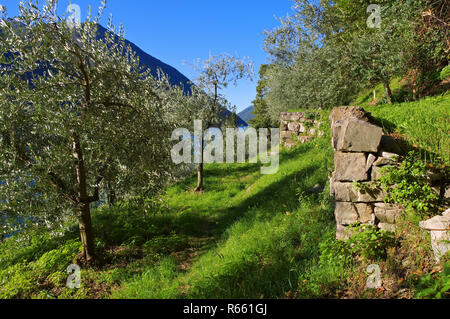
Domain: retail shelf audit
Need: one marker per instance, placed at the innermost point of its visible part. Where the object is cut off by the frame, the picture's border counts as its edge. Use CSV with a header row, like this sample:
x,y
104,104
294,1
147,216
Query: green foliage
x,y
423,123
78,112
369,242
58,259
406,183
435,286
366,241
16,282
127,224
445,73
323,54
334,252
157,279
166,244
260,247
261,117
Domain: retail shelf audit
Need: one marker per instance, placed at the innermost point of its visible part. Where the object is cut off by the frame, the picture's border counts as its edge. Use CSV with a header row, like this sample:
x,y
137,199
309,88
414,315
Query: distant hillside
x,y
247,114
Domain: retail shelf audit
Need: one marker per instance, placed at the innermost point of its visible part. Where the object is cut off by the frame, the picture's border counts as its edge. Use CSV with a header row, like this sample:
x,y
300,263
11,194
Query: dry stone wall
x,y
361,149
299,127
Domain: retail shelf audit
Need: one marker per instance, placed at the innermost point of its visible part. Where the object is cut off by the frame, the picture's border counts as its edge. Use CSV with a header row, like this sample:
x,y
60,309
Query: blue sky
x,y
181,31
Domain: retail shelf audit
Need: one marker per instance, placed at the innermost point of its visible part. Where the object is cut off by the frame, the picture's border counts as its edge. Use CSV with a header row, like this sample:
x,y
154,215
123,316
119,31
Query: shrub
x,y
334,252
370,243
435,286
445,73
406,183
16,282
57,259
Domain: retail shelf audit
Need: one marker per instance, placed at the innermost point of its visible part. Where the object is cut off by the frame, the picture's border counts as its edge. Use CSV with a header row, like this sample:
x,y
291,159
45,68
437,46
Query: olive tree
x,y
77,111
214,74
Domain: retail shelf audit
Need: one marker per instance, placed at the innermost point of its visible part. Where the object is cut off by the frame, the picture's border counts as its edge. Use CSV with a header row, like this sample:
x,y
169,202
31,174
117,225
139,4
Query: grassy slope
x,y
259,242
425,123
248,236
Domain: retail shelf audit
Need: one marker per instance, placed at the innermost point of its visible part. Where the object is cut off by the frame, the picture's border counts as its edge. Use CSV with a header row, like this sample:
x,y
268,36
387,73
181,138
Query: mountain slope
x,y
247,114
175,77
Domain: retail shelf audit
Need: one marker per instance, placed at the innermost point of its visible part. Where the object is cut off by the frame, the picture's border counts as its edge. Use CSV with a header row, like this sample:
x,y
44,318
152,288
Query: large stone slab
x,y
286,134
439,229
350,167
354,135
347,213
347,112
388,213
347,193
295,127
387,227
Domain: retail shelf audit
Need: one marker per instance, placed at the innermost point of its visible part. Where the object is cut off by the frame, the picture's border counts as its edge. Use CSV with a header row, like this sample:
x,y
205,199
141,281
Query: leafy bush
x,y
406,183
16,282
57,259
369,242
334,252
435,286
445,73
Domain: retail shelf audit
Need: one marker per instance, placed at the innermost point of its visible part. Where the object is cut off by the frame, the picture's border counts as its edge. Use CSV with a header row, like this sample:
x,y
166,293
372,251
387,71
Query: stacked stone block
x,y
361,149
298,127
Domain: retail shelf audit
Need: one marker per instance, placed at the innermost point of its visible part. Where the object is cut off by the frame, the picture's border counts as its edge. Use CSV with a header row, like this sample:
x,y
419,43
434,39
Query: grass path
x,y
244,241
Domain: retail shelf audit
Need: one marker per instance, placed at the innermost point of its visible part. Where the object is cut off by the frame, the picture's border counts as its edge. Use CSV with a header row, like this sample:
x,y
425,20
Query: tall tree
x,y
76,111
261,117
215,74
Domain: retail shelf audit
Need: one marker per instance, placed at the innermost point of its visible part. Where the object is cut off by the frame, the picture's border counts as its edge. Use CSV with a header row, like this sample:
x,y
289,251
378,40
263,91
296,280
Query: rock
x,y
439,222
286,134
312,132
284,125
304,139
381,161
295,116
347,213
290,143
388,213
387,227
345,192
347,112
350,167
294,127
439,229
390,144
336,129
342,232
301,129
354,135
332,183
376,173
392,156
447,193
446,213
370,160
